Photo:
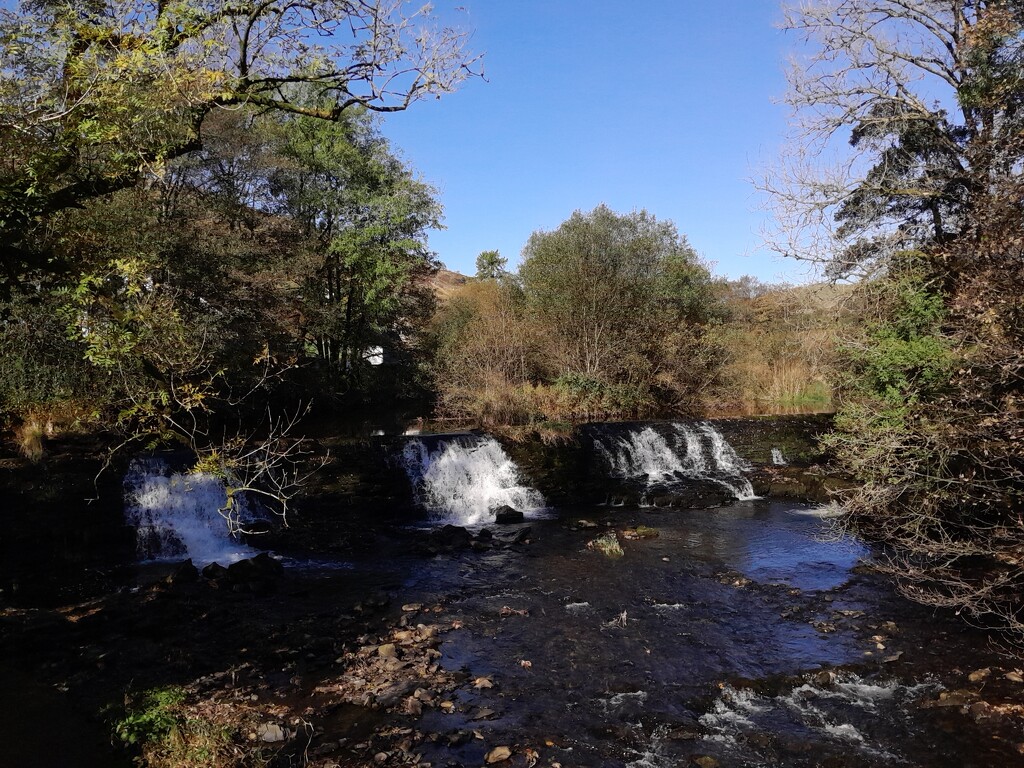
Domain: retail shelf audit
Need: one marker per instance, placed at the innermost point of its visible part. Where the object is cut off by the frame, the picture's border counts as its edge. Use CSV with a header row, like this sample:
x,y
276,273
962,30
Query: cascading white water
x,y
728,465
464,479
178,515
642,453
694,450
777,458
702,453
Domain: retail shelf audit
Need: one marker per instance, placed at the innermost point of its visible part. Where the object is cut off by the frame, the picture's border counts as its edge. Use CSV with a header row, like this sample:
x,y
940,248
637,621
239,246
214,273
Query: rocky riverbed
x,y
737,636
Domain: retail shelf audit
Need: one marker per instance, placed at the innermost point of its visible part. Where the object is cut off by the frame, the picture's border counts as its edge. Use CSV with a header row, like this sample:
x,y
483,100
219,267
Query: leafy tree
x,y
366,216
593,282
97,96
490,265
619,297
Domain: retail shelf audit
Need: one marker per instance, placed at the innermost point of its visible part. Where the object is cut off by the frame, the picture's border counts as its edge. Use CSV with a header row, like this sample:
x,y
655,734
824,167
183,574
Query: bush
x,y
151,717
172,734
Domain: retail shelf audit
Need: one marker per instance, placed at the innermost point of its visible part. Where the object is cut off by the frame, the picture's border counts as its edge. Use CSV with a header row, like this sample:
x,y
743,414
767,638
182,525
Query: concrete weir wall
x,y
569,470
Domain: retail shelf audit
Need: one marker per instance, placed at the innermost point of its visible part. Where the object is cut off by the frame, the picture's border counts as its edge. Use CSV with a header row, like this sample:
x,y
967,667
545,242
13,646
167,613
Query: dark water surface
x,y
740,633
745,634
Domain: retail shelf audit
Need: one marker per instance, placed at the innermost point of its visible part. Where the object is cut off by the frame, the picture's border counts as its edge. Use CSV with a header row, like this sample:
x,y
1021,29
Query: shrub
x,y
172,734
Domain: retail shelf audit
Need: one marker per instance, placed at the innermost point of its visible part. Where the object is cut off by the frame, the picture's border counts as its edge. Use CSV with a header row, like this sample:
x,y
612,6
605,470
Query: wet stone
x,y
214,571
522,536
186,573
506,515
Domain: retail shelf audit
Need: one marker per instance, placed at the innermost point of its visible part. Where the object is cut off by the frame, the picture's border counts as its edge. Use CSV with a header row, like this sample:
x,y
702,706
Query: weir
x,y
177,515
463,479
664,454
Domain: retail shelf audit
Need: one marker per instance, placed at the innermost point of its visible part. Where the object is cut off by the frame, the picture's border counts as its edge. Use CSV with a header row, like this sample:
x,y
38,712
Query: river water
x,y
746,635
739,633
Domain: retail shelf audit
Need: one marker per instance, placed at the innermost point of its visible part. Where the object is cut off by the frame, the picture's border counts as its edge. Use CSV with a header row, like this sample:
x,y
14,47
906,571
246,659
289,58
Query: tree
x,y
926,201
924,96
96,96
590,281
618,297
366,217
490,265
484,353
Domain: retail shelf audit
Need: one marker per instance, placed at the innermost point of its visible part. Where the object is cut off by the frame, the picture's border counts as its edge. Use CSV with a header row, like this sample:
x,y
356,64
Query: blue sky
x,y
661,104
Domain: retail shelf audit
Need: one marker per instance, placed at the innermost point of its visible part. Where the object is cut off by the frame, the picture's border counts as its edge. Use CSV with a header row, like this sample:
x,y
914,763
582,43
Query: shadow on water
x,y
737,633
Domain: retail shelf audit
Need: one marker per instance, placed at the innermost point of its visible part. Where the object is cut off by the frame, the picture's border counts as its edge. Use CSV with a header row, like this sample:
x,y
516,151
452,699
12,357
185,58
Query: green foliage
x,y
594,398
151,717
619,299
606,318
490,265
96,98
903,356
367,217
170,733
900,361
43,368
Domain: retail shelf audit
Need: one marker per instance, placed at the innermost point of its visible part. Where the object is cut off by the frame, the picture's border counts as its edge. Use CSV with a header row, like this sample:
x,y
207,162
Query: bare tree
x,y
908,166
902,111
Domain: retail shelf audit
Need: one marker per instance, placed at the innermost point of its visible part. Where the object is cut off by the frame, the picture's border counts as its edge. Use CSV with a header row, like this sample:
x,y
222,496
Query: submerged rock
x,y
640,532
522,536
448,538
497,755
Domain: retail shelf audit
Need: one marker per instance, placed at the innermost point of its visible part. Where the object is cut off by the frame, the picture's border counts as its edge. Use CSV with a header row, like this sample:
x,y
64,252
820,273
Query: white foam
x,y
825,511
844,731
577,607
615,701
180,515
464,480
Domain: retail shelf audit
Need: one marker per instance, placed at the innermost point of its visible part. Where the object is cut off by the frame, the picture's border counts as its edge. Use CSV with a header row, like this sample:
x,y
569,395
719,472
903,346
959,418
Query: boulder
x,y
186,573
215,571
255,574
506,515
271,733
259,568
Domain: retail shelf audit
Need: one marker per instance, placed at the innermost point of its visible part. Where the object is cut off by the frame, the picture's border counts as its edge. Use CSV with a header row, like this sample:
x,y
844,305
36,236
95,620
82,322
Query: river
x,y
747,634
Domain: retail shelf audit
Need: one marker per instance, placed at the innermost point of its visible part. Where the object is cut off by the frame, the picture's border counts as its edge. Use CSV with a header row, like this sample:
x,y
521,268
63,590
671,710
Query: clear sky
x,y
659,104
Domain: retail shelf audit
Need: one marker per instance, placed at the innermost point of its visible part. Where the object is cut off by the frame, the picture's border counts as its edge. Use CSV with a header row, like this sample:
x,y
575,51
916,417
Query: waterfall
x,y
463,479
177,515
677,453
777,458
643,453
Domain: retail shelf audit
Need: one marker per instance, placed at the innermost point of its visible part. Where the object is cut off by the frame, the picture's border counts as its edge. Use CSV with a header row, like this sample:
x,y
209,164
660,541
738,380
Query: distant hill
x,y
444,282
